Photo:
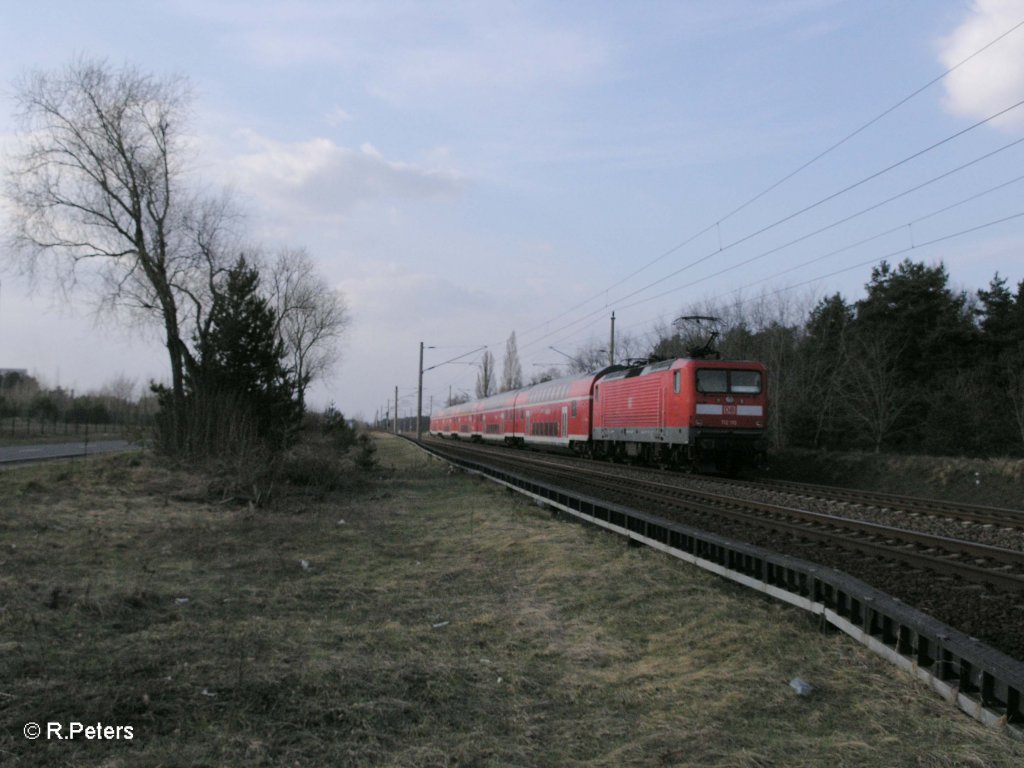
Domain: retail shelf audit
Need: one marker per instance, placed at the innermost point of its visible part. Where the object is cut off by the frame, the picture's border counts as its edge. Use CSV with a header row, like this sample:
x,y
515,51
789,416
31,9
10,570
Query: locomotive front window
x,y
712,380
717,381
745,382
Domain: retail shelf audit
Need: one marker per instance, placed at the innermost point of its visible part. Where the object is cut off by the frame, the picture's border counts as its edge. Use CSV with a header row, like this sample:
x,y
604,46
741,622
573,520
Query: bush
x,y
366,459
336,428
313,470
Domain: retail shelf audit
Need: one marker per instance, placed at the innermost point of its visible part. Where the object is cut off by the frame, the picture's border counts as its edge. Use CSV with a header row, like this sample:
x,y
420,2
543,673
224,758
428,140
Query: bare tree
x,y
548,374
871,388
121,388
1014,371
458,398
512,370
98,193
629,346
589,357
485,379
311,316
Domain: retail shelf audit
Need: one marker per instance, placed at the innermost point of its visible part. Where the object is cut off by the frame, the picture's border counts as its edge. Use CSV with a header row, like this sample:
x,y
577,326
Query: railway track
x,y
983,563
916,506
974,585
948,611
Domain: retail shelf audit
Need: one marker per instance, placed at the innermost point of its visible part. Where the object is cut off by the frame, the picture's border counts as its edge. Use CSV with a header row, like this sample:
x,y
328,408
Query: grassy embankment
x,y
437,621
995,482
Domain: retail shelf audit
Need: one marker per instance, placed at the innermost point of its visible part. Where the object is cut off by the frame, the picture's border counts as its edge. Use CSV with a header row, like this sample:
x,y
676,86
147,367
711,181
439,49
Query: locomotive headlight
x,y
760,423
698,422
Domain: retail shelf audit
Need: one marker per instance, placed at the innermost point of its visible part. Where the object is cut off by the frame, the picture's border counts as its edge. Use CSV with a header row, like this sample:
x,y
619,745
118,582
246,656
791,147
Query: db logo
x,y
728,410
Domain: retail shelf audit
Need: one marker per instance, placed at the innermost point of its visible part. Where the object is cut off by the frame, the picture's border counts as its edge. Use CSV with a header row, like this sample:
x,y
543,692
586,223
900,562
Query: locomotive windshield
x,y
711,380
745,382
718,381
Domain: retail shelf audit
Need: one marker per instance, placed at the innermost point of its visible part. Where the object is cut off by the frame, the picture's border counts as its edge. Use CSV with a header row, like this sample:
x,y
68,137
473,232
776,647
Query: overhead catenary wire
x,y
909,224
789,217
527,343
899,252
772,187
864,241
889,231
875,259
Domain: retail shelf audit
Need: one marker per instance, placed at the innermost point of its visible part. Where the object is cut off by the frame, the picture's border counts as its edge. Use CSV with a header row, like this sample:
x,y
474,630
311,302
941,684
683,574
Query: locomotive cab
x,y
729,411
690,412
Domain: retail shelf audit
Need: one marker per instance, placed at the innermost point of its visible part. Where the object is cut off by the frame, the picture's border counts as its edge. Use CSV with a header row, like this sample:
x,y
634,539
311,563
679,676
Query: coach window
x,y
574,409
675,382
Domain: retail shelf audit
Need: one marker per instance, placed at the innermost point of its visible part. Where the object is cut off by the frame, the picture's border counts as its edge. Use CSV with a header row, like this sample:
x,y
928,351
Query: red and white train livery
x,y
687,411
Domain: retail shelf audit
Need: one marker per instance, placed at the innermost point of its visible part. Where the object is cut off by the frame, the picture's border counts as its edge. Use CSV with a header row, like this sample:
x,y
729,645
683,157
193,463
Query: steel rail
x,y
836,531
977,513
1007,517
708,503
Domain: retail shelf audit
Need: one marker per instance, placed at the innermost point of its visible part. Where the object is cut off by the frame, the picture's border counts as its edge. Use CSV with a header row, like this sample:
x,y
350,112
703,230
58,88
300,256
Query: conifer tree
x,y
241,358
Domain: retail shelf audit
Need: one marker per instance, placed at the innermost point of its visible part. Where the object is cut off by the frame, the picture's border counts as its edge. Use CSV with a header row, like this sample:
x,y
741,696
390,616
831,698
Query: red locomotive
x,y
682,412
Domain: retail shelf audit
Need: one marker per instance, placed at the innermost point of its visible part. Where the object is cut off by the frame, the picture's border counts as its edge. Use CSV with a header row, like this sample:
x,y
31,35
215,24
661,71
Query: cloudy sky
x,y
461,170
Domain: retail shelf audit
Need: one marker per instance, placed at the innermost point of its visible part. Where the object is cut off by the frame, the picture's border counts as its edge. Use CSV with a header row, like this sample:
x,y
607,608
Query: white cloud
x,y
994,79
337,116
323,179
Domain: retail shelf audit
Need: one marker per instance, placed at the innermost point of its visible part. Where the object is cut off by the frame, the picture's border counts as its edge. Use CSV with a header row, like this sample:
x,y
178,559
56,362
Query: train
x,y
687,412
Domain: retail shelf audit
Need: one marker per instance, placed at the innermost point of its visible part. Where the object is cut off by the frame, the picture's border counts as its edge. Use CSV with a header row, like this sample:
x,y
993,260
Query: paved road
x,y
16,453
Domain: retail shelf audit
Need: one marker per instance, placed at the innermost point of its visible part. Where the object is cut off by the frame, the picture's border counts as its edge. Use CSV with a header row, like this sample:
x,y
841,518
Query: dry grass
x,y
996,482
440,621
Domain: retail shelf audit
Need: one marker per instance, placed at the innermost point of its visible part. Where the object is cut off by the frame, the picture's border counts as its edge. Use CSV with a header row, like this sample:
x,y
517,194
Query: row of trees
x,y
28,406
487,383
913,366
102,199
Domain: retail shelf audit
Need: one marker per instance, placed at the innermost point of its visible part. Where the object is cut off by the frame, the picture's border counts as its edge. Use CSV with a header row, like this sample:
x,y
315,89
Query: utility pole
x,y
611,344
419,400
396,409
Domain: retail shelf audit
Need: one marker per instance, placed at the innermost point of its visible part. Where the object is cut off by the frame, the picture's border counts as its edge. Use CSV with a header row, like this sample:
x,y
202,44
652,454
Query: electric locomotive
x,y
686,412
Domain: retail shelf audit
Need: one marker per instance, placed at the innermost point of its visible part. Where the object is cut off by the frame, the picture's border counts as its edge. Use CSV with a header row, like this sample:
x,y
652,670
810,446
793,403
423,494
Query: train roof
x,y
554,388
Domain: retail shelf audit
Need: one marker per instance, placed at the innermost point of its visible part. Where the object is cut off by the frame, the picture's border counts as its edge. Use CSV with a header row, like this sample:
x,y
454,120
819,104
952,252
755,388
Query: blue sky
x,y
463,170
